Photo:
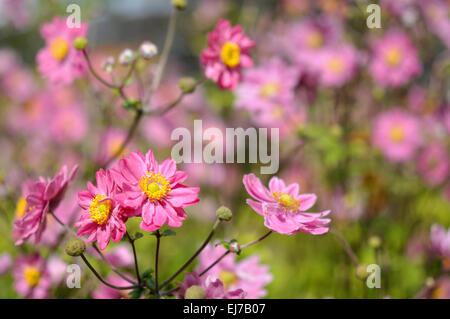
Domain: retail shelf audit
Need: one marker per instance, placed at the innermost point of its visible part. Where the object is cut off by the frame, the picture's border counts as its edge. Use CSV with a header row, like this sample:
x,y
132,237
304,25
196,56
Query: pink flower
x,y
397,134
227,53
105,292
5,263
41,197
110,142
434,164
247,274
154,191
59,60
395,61
337,65
284,208
103,218
440,240
211,286
31,277
268,86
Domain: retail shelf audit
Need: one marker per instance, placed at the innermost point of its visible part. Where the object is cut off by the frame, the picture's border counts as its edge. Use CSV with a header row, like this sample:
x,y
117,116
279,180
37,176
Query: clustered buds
x,y
148,50
75,247
224,213
126,57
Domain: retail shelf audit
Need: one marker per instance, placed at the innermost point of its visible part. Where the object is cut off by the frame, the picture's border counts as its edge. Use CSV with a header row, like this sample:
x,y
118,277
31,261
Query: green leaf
x,y
136,293
147,274
224,243
132,104
138,235
168,232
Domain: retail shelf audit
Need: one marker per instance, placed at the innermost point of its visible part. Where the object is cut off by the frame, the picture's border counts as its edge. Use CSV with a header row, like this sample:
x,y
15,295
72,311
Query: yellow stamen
x,y
230,54
336,65
314,40
268,90
393,57
99,211
287,202
32,275
397,134
228,279
155,185
21,207
59,48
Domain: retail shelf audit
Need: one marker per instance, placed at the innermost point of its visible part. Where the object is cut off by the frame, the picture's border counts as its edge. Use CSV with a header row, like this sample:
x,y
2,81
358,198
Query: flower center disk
x,y
100,210
32,275
59,48
287,202
230,54
156,186
228,279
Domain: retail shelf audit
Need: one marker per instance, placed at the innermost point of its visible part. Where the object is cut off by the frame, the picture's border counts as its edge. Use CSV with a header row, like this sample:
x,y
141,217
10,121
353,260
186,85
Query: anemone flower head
x,y
31,277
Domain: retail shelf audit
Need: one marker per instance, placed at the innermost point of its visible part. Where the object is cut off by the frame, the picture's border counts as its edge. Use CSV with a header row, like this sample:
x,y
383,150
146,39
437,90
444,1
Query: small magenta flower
x,y
434,164
103,218
59,60
31,277
283,207
5,263
440,240
227,53
395,61
247,274
397,134
41,197
206,287
153,191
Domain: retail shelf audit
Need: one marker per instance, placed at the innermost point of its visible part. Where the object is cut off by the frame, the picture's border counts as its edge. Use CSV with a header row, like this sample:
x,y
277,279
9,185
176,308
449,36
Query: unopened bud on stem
x,y
224,213
179,4
195,292
80,43
75,247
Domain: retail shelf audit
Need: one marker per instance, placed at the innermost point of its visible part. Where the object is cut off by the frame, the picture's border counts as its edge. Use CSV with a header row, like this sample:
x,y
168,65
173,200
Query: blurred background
x,y
365,126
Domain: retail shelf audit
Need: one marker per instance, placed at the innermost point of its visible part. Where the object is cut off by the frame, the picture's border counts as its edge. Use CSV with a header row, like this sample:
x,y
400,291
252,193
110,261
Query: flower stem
x,y
257,240
346,245
158,241
131,240
192,258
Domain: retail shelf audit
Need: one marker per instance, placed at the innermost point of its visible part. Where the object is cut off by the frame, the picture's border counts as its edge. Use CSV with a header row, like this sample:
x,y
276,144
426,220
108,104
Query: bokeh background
x,y
383,206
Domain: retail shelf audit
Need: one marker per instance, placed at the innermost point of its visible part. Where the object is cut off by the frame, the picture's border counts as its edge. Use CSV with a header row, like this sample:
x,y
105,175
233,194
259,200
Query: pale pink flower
x,y
227,53
59,60
437,16
5,263
397,134
105,292
109,144
17,12
394,60
103,218
42,197
440,240
247,274
68,124
31,277
56,269
212,287
434,164
18,84
154,191
283,207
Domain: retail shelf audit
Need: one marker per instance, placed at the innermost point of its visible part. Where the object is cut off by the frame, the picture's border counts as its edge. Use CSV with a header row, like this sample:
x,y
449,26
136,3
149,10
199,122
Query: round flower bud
x,y
224,213
148,50
187,84
375,241
235,247
195,292
80,43
75,247
126,57
361,271
179,4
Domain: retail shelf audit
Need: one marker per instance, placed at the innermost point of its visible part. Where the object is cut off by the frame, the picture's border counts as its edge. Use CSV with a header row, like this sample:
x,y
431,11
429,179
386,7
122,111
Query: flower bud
x,y
187,84
235,247
375,241
224,213
75,247
361,271
80,43
179,4
195,292
126,57
108,64
148,50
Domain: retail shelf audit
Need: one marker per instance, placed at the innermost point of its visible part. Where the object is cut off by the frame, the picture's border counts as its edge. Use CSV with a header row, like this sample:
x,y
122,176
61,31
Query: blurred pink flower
x,y
105,292
154,191
42,197
59,60
31,277
5,263
103,218
227,53
18,84
109,144
211,286
247,274
437,16
434,164
394,61
440,240
56,269
17,12
397,134
283,207
337,65
8,60
68,124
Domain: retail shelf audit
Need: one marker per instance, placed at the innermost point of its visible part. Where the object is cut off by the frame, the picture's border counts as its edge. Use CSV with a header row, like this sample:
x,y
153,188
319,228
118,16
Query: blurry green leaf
x,y
138,235
168,232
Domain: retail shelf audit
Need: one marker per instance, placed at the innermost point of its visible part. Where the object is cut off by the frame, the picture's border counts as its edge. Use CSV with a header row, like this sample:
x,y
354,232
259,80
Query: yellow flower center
x,y
230,54
100,210
59,48
32,275
314,40
21,207
155,185
393,57
397,134
336,65
268,90
287,202
228,279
